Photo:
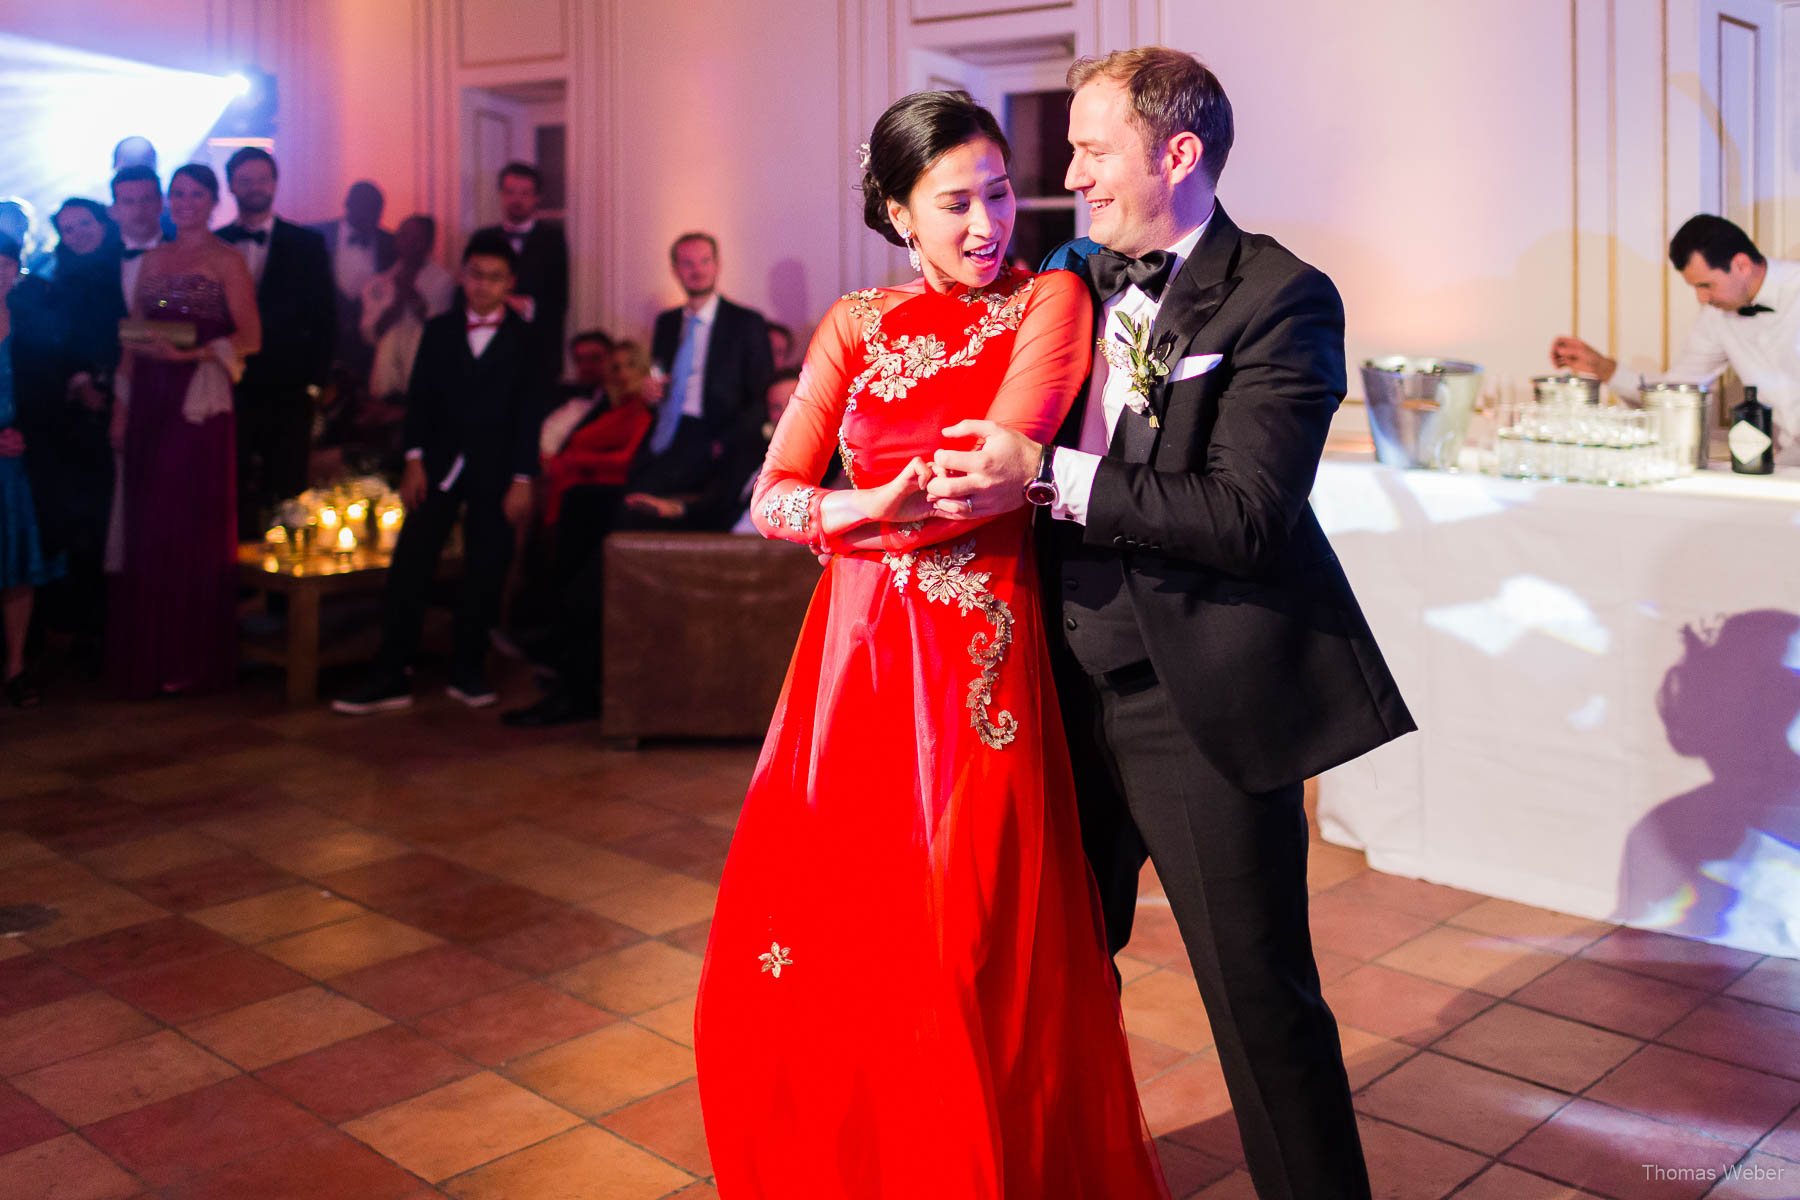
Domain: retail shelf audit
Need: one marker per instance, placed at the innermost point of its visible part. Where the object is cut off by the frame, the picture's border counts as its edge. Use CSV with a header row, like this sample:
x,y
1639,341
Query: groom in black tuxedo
x,y
282,383
1209,654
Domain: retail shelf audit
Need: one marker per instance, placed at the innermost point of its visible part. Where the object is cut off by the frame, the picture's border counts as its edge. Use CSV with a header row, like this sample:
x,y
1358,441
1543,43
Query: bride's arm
x,y
1050,359
787,502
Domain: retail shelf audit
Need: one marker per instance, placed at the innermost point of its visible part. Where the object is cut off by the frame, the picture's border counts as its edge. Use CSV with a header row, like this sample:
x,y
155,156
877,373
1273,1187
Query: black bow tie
x,y
240,234
1750,310
1112,272
132,252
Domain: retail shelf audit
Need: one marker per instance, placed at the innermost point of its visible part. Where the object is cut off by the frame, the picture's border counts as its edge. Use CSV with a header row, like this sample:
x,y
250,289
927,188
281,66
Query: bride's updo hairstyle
x,y
913,133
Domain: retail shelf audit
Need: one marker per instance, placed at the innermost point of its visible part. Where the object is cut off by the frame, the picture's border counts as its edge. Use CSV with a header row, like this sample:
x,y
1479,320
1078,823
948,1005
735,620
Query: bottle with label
x,y
1752,436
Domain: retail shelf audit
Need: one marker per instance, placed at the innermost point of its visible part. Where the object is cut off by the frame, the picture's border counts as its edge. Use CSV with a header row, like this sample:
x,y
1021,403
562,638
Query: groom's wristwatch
x,y
1041,490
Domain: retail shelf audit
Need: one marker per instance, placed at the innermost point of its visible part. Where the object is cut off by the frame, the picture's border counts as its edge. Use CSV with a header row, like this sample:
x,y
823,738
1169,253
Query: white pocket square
x,y
1194,364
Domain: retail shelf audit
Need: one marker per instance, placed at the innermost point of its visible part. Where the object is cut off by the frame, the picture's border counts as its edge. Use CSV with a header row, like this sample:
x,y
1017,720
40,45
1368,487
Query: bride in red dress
x,y
906,991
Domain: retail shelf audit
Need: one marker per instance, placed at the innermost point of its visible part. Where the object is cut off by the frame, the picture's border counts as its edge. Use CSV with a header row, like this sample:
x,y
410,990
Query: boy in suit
x,y
472,413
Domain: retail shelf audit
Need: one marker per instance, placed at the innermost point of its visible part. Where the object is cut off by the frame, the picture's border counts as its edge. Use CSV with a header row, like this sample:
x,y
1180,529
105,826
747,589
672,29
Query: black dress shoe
x,y
557,708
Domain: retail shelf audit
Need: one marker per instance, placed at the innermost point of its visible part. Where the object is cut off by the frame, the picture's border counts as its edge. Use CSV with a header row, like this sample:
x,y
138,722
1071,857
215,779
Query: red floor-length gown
x,y
906,994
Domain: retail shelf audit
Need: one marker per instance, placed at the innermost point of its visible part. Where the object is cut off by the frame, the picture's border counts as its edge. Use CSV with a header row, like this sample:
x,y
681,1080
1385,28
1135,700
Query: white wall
x,y
1477,177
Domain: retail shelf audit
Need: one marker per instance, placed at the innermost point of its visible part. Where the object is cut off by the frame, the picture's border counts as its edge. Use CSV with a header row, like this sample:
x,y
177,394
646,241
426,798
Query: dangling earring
x,y
912,252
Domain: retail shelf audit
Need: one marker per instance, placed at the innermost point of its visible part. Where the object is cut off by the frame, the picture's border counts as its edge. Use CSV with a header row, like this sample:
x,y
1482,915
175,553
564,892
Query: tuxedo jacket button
x,y
1118,539
1068,622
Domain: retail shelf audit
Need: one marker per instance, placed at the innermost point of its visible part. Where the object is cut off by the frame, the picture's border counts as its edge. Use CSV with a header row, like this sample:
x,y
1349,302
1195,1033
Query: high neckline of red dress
x,y
1003,284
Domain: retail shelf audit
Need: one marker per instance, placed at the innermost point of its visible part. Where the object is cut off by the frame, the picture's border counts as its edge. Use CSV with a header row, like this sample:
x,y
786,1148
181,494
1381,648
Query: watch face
x,y
1040,493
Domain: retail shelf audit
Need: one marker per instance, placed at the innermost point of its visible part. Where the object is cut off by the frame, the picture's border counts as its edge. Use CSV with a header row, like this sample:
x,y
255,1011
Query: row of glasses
x,y
1578,443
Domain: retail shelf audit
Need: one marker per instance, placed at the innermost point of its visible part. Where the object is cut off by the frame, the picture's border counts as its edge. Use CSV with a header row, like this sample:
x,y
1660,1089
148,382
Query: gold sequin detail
x,y
941,576
894,368
776,958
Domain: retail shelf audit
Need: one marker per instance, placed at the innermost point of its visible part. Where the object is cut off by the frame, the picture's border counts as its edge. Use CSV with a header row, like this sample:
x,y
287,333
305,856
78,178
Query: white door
x,y
1741,175
496,130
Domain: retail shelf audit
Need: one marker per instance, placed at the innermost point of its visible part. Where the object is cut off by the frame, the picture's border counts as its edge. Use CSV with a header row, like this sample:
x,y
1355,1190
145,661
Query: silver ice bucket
x,y
1419,408
1681,413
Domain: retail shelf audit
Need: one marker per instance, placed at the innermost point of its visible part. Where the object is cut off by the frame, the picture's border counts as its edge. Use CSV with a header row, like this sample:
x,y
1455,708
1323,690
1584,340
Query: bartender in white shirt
x,y
1750,323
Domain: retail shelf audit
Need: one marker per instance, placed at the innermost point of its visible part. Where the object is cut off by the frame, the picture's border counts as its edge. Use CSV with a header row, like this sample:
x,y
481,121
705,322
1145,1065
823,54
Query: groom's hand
x,y
993,475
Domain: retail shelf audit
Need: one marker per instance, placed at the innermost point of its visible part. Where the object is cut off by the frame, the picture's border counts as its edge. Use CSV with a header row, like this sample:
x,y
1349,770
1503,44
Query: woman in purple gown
x,y
173,619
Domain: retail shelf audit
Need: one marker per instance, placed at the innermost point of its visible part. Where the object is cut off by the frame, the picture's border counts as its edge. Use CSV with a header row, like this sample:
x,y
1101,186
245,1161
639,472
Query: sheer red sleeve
x,y
785,503
1050,359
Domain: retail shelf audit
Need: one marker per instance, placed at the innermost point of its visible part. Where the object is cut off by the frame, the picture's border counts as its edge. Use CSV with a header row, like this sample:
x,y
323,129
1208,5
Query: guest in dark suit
x,y
360,249
282,384
541,295
472,415
718,363
1212,656
71,460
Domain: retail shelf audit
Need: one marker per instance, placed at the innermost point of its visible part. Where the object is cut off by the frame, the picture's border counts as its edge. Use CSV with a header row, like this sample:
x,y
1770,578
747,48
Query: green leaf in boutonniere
x,y
1129,351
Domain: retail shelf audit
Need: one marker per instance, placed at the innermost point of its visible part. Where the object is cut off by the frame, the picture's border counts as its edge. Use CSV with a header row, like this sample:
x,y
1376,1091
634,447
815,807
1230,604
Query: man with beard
x,y
282,384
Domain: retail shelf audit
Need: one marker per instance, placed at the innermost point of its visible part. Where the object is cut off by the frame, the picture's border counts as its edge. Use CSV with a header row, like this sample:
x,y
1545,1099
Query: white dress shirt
x,y
693,404
1764,350
561,422
396,349
352,265
129,268
256,257
1074,470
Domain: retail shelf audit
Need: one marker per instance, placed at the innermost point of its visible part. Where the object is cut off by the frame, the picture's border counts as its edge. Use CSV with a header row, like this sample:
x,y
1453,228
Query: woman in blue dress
x,y
23,567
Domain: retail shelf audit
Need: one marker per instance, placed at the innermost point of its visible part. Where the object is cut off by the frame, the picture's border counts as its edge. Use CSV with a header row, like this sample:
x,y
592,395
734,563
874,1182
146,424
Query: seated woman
x,y
597,453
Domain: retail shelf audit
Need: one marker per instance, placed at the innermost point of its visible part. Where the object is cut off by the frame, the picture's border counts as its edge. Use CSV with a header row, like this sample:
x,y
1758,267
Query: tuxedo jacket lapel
x,y
1195,294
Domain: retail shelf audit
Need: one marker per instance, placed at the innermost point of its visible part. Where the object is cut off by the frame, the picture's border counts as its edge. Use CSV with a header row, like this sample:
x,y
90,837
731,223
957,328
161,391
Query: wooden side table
x,y
306,582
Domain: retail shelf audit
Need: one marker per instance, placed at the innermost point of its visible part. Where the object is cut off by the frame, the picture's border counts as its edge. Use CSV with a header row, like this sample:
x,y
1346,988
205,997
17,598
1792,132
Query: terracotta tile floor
x,y
419,955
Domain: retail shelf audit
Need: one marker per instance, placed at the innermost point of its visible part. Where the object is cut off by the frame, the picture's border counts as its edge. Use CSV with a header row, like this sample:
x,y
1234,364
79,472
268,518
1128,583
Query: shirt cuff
x,y
414,454
1074,472
521,477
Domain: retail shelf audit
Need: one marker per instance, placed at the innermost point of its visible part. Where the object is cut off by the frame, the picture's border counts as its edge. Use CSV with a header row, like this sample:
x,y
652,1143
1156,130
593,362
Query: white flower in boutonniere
x,y
1130,352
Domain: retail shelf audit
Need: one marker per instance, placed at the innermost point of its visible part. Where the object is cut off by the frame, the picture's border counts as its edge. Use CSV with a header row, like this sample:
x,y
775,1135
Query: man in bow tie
x,y
360,249
1750,323
1211,657
282,383
541,295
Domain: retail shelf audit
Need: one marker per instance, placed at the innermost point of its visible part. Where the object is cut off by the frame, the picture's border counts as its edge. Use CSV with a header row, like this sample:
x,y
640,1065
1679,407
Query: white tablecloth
x,y
1607,685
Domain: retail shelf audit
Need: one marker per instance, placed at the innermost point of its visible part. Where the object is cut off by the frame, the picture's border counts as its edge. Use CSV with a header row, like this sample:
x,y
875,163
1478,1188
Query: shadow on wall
x,y
788,301
1722,862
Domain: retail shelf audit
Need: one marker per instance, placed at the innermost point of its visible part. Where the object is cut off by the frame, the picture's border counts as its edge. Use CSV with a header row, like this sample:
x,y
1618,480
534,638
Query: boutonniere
x,y
1130,351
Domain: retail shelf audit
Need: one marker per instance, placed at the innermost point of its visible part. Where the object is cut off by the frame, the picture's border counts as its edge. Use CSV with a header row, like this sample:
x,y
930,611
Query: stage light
x,y
62,110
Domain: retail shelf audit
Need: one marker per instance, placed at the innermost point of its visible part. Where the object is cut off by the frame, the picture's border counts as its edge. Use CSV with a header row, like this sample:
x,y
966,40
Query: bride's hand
x,y
902,498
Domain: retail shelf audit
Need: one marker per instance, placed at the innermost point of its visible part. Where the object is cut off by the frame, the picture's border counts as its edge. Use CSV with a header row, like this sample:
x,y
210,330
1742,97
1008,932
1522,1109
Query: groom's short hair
x,y
1172,92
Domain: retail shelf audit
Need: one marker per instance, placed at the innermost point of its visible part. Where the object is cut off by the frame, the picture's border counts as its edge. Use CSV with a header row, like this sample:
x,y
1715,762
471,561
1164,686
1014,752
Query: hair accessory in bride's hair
x,y
862,155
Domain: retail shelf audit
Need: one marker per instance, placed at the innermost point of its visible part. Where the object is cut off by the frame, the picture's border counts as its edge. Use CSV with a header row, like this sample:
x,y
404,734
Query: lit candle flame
x,y
346,540
390,518
328,516
277,536
357,511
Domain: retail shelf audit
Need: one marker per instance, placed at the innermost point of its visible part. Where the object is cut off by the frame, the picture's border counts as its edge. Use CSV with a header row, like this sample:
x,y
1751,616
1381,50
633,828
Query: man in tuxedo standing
x,y
360,249
1211,656
718,362
282,383
541,294
137,207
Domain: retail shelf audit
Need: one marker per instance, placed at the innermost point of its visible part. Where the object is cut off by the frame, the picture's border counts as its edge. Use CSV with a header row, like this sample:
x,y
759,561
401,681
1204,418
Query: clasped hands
x,y
961,485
